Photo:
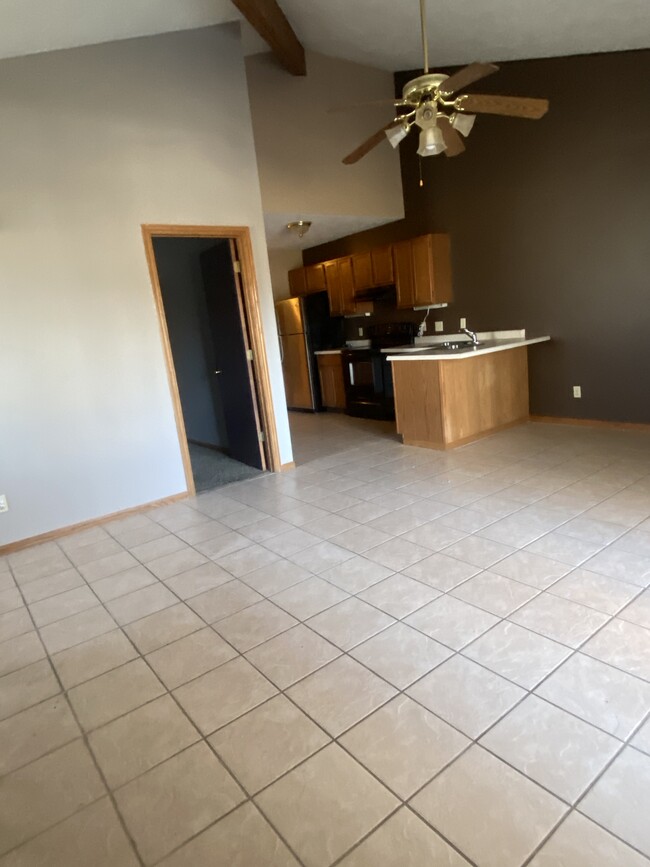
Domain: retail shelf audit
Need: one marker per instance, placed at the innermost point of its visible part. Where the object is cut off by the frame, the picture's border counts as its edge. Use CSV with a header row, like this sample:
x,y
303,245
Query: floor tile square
x,y
93,657
175,800
157,548
173,564
115,693
141,603
62,605
134,743
578,842
241,839
623,645
404,745
318,558
356,574
404,840
46,587
47,791
495,816
15,623
163,627
98,569
532,569
478,551
332,525
222,695
197,580
595,591
641,739
76,629
466,695
399,595
224,543
442,572
638,611
247,559
271,579
349,623
291,542
223,601
567,622
309,597
292,655
251,626
397,554
27,686
434,535
361,537
20,651
603,696
340,694
451,621
556,749
10,599
517,654
494,593
621,565
33,732
401,654
94,836
619,799
267,742
189,657
123,582
326,805
566,549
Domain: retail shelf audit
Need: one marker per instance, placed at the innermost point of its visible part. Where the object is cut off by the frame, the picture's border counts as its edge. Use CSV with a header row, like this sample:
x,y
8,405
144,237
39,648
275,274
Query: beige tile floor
x,y
389,656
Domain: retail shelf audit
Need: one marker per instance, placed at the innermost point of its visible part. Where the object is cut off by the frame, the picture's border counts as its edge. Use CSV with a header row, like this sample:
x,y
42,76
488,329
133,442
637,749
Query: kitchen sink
x,y
455,344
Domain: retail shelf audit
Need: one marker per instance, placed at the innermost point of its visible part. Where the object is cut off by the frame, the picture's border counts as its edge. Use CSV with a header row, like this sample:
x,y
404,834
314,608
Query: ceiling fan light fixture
x,y
463,122
395,134
299,227
431,142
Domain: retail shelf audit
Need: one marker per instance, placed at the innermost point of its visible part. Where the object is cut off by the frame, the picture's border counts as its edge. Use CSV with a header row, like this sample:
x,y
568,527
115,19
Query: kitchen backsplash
x,y
385,311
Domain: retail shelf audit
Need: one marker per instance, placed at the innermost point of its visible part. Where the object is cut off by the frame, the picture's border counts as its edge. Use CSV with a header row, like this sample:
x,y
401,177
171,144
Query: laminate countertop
x,y
431,353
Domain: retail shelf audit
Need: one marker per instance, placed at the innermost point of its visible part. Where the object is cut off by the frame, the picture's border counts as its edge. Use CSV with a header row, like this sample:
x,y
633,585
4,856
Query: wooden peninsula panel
x,y
445,403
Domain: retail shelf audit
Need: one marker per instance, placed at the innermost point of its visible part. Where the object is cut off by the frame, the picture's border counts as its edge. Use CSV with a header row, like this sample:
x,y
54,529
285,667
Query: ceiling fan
x,y
431,103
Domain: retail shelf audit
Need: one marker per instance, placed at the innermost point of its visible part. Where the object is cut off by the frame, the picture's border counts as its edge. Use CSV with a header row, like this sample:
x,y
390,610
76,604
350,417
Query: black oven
x,y
369,377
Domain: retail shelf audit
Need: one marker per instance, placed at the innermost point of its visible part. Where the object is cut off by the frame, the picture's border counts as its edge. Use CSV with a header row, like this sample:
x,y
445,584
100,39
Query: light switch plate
x,y
577,391
439,326
4,505
463,322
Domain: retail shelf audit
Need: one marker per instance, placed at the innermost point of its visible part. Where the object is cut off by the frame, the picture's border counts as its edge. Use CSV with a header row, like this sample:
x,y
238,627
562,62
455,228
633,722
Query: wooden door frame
x,y
250,298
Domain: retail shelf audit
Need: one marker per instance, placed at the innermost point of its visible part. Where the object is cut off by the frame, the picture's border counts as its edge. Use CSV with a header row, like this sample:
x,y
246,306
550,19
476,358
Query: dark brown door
x,y
233,365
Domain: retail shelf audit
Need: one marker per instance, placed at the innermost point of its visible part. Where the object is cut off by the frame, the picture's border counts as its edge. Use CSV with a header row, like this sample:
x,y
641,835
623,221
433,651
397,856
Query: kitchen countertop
x,y
430,353
328,352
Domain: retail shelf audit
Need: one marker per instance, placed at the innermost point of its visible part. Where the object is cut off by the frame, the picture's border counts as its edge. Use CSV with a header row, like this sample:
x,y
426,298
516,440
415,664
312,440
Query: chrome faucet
x,y
472,335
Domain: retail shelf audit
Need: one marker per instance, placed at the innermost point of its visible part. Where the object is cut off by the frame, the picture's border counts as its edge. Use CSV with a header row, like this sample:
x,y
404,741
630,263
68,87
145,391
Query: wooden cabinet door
x,y
297,282
346,278
332,386
404,274
333,285
382,265
362,271
314,278
441,263
422,255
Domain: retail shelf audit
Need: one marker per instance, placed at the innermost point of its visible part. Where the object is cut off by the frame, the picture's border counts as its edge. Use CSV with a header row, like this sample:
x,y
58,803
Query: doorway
x,y
206,298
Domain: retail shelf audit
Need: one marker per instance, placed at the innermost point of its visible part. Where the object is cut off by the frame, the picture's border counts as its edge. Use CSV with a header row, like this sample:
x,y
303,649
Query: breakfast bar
x,y
451,393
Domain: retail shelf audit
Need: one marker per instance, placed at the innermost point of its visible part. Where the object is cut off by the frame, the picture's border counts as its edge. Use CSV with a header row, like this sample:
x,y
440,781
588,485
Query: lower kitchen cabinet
x,y
330,373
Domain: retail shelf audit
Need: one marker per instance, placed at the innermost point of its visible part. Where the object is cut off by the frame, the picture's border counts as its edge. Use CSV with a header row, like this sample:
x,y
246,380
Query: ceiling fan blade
x,y
352,106
466,76
453,142
510,106
368,144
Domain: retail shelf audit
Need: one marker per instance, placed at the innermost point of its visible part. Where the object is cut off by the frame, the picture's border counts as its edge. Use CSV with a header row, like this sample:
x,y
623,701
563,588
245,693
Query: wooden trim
x,y
289,466
241,236
266,17
591,422
85,525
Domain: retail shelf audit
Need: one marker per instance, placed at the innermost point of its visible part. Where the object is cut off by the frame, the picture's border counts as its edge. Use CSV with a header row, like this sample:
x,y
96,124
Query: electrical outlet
x,y
361,332
463,322
577,391
440,325
4,505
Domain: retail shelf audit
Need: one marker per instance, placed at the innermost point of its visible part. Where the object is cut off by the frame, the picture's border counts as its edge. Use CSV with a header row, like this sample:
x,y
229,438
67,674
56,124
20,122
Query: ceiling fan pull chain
x,y
421,184
425,45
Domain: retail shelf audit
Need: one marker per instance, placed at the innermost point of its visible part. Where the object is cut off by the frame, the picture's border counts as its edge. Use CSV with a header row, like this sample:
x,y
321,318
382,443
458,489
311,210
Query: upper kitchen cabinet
x,y
304,281
374,268
341,286
423,271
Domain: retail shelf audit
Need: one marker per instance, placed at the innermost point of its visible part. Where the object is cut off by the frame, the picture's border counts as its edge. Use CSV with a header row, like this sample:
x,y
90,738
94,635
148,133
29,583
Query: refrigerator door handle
x,y
281,348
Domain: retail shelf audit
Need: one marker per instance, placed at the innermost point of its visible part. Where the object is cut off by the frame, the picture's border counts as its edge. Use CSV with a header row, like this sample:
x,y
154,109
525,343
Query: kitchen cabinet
x,y
423,271
362,271
340,284
304,281
374,268
332,386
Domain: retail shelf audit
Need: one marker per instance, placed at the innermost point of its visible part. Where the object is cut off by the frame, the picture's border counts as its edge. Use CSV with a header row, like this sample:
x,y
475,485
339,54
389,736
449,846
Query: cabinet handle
x,y
217,371
351,369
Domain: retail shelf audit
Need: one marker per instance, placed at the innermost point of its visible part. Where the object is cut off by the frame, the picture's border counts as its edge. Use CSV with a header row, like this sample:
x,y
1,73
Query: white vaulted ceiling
x,y
381,33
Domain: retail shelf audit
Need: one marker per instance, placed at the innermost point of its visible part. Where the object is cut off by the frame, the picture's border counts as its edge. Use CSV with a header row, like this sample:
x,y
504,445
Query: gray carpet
x,y
212,469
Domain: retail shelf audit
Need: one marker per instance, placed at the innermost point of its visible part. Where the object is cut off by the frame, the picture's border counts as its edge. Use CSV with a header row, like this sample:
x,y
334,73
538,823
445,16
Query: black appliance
x,y
368,376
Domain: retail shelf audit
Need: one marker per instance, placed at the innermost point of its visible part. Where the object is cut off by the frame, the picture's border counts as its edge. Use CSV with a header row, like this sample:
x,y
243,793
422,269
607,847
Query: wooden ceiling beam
x,y
266,17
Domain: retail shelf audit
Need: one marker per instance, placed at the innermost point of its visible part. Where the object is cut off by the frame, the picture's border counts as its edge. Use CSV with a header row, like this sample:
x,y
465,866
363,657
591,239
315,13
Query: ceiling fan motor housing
x,y
423,86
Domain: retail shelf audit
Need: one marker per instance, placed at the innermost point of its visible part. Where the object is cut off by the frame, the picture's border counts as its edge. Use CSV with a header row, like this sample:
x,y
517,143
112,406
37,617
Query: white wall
x,y
94,142
281,262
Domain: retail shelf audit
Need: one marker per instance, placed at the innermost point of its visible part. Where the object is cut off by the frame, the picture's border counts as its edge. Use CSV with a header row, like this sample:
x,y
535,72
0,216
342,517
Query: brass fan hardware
x,y
430,103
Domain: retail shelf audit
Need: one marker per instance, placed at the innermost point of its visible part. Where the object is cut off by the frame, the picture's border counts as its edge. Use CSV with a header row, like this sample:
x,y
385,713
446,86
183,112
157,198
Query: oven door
x,y
364,373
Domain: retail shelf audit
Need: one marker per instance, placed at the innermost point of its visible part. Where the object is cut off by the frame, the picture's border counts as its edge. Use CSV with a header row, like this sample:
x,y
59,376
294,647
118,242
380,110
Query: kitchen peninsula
x,y
446,396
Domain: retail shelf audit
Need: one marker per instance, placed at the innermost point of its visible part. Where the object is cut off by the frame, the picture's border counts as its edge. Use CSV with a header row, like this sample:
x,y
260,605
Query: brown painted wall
x,y
550,228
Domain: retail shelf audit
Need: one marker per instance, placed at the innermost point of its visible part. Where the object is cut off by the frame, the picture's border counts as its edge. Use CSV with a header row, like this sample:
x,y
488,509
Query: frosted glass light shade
x,y
463,122
431,142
